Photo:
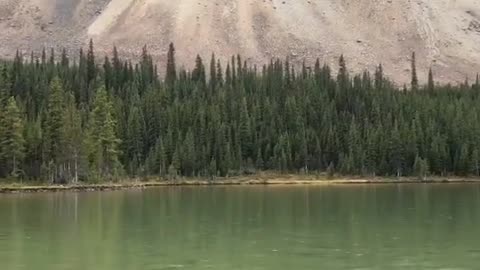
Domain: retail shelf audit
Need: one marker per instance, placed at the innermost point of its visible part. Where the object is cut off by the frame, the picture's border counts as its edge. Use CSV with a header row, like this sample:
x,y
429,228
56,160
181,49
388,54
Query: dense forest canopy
x,y
93,119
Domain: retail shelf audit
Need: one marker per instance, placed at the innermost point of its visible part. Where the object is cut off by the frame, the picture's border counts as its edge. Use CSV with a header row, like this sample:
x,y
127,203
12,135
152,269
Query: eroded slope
x,y
444,33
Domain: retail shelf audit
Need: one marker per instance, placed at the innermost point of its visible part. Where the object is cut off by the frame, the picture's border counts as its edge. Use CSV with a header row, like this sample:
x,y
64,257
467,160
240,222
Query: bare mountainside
x,y
444,33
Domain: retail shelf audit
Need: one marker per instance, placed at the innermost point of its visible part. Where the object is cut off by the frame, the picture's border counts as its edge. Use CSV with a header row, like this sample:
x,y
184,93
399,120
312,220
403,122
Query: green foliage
x,y
431,83
171,73
330,170
102,141
80,121
12,142
414,83
421,168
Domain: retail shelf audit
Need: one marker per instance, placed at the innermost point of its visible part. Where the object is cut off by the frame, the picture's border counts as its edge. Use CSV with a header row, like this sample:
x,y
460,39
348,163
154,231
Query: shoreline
x,y
267,180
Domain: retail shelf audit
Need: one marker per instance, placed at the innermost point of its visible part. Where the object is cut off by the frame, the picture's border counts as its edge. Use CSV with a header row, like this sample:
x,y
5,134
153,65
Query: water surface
x,y
229,228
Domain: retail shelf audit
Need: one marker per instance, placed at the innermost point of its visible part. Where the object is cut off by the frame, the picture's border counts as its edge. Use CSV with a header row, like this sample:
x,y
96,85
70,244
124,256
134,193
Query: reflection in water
x,y
301,227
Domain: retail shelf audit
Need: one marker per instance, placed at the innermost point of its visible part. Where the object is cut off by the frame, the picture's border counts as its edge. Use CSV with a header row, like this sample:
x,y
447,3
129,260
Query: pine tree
x,y
64,62
171,74
102,140
372,155
174,167
212,168
213,73
317,71
51,61
414,83
135,136
431,84
346,163
244,130
462,160
188,156
219,74
243,120
117,70
379,77
5,86
91,66
395,150
108,76
12,142
198,73
234,73
342,76
228,76
53,128
72,134
421,168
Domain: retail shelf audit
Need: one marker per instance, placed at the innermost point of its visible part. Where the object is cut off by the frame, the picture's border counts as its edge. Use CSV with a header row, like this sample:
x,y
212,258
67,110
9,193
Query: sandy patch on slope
x,y
109,16
444,33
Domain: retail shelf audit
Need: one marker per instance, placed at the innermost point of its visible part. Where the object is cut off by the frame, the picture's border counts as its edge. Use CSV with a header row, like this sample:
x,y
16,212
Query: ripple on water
x,y
474,253
173,266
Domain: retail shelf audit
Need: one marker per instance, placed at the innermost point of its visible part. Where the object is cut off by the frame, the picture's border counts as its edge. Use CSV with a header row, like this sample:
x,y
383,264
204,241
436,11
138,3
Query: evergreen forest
x,y
65,119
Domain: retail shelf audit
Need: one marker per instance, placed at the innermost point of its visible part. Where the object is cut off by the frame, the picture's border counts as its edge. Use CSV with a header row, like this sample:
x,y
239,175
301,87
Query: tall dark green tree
x,y
431,83
73,141
53,130
91,65
86,122
102,140
198,73
12,142
414,83
213,73
171,74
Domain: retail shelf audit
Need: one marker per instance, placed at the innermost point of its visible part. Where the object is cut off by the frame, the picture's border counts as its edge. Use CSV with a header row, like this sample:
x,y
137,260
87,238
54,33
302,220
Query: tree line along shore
x,y
81,118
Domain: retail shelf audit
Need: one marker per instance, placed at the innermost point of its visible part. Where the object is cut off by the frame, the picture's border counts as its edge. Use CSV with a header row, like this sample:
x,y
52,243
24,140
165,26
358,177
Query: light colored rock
x,y
443,33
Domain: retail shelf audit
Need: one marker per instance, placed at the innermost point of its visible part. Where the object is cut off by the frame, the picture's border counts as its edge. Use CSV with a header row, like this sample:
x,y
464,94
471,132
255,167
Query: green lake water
x,y
255,227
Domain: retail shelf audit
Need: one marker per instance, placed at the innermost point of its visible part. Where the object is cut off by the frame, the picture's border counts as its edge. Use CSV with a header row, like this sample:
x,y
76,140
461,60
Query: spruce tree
x,y
72,145
475,163
213,73
64,62
414,83
91,66
102,140
12,142
379,77
198,73
342,77
171,74
219,74
421,168
53,129
277,119
135,136
431,84
188,156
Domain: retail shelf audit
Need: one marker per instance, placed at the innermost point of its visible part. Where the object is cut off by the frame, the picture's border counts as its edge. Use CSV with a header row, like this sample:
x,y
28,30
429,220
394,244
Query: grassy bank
x,y
258,179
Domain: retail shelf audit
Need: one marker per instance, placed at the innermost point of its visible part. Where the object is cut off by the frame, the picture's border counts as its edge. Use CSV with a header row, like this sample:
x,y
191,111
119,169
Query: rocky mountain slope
x,y
445,34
